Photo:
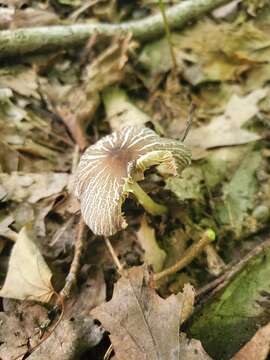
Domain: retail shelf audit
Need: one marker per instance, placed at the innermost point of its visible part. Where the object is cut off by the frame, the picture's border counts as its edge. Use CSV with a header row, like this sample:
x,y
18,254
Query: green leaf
x,y
226,323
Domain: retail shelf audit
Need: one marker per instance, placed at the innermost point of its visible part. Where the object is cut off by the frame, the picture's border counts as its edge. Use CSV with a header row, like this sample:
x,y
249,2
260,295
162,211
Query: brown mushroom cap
x,y
105,167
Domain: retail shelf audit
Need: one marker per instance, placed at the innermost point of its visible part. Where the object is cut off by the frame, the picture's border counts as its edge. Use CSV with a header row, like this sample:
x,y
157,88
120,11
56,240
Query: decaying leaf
x,y
192,349
120,110
142,325
18,328
153,254
28,277
9,158
31,187
227,129
230,51
78,332
239,193
257,348
188,187
80,103
5,231
20,79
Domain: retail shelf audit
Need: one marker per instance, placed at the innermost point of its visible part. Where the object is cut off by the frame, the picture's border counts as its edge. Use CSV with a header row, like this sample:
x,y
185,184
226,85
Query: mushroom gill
x,y
109,169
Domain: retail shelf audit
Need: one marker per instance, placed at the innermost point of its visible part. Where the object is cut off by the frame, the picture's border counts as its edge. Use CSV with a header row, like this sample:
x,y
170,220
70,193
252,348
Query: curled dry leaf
x,y
142,325
28,276
226,130
107,166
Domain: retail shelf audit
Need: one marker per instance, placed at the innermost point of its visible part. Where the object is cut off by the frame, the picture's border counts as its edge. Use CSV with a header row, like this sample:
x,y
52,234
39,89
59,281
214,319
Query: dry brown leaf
x,y
142,325
18,328
153,254
257,348
9,158
21,79
188,300
31,17
121,112
227,129
28,277
192,349
5,231
81,102
31,187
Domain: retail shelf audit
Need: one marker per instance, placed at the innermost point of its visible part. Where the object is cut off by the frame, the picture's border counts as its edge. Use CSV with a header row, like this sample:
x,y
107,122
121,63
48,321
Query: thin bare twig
x,y
231,269
193,251
75,265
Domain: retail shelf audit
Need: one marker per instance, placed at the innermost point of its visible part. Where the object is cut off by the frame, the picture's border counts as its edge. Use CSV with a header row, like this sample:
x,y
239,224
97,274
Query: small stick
x,y
113,255
32,349
231,269
215,263
75,265
189,122
193,251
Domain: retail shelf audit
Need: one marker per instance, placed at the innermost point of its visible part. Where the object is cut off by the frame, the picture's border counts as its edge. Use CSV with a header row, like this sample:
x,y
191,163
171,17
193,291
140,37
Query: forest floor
x,y
214,72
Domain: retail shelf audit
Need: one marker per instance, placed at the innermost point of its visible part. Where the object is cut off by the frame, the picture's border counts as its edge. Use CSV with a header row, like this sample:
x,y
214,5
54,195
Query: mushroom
x,y
110,169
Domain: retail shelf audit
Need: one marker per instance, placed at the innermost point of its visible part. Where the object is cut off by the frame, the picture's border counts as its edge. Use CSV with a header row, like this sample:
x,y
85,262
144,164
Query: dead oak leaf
x,y
142,325
28,276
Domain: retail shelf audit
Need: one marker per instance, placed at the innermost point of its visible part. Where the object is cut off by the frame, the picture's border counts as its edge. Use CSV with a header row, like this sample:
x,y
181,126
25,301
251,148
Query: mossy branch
x,y
25,40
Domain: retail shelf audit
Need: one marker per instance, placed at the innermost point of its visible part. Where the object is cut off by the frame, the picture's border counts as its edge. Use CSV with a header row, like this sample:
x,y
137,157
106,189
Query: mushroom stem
x,y
150,205
113,255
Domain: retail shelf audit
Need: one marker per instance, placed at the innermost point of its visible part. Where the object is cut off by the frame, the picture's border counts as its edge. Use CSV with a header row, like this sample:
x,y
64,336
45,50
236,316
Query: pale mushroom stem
x,y
145,200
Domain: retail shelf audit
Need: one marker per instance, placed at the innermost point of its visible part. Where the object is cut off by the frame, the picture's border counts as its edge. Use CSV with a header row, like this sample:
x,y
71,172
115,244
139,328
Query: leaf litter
x,y
54,103
28,276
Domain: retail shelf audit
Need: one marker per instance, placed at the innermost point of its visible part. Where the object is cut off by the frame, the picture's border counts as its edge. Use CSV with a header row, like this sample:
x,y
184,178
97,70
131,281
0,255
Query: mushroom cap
x,y
107,165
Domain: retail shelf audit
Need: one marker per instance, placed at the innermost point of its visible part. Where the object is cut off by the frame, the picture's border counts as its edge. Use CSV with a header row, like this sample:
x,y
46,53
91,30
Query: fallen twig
x,y
25,40
188,256
75,265
231,270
